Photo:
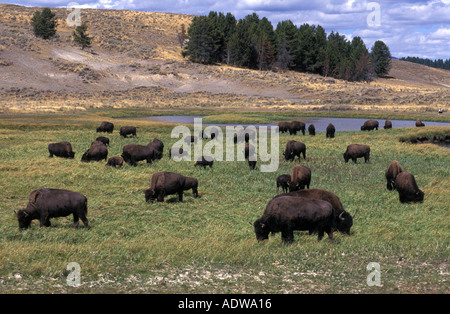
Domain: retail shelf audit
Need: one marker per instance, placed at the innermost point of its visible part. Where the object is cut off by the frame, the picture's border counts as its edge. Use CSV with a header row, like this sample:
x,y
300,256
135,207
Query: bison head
x,y
261,230
344,222
24,219
150,195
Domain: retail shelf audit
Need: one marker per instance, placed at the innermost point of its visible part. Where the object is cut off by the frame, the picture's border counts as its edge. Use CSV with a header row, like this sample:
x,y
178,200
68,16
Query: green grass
x,y
206,244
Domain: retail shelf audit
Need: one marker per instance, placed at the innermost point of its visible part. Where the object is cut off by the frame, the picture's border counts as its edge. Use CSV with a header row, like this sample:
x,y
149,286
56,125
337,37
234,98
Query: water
x,y
320,124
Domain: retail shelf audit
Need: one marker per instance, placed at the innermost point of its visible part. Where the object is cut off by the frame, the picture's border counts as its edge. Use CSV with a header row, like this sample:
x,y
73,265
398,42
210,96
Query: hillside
x,y
136,61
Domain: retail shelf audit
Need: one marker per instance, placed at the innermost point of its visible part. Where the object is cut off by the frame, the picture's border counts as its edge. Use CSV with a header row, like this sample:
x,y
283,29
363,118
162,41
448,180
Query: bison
x,y
419,123
252,164
50,203
343,220
165,183
103,139
391,173
312,130
288,213
294,148
407,188
191,183
127,130
300,177
297,126
284,127
369,125
61,149
132,153
355,151
158,145
330,131
205,161
96,152
387,124
105,126
176,151
115,162
283,181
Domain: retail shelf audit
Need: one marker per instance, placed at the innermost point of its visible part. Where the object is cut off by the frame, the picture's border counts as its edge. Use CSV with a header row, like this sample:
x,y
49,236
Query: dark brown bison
x,y
312,130
165,183
127,130
300,178
191,183
343,220
369,125
204,161
288,213
330,131
50,203
96,152
61,149
294,148
283,181
355,151
115,162
387,124
105,126
419,123
391,173
407,188
132,153
297,126
252,164
103,139
284,127
249,151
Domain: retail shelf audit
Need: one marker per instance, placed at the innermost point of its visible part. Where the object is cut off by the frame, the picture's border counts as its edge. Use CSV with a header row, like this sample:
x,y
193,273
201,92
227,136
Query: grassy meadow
x,y
206,244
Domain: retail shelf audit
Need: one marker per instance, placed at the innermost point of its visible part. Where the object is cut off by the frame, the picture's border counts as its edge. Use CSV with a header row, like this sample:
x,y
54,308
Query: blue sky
x,y
409,28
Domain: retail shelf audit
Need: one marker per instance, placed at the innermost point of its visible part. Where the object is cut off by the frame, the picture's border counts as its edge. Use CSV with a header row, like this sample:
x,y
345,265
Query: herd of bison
x,y
297,208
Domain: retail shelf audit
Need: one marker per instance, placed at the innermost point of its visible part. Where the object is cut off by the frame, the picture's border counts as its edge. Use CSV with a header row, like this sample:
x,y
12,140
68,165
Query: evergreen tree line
x,y
438,63
253,43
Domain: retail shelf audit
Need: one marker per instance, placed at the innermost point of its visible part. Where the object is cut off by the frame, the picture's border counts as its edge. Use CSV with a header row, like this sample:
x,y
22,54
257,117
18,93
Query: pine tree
x,y
81,37
44,23
381,58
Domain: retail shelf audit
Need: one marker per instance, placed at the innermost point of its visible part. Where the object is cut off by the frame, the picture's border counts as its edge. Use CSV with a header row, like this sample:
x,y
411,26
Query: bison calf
x,y
391,173
205,161
115,162
283,181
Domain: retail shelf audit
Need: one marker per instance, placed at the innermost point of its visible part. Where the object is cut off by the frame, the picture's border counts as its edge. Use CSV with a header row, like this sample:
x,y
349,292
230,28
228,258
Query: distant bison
x,y
419,123
115,162
283,127
369,125
283,181
387,124
300,178
297,126
96,152
105,126
343,220
165,183
50,203
288,213
61,149
407,188
191,183
312,130
294,148
132,153
204,161
355,151
330,131
103,139
127,130
391,173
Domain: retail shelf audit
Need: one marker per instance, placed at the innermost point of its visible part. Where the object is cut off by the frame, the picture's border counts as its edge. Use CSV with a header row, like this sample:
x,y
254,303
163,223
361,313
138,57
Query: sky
x,y
408,27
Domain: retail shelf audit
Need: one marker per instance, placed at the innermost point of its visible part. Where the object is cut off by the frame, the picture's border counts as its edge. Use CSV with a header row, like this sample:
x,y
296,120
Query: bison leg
x,y
45,221
287,236
180,195
194,192
367,158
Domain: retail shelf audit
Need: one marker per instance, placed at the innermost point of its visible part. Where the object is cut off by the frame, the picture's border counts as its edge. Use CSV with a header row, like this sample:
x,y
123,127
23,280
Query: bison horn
x,y
340,216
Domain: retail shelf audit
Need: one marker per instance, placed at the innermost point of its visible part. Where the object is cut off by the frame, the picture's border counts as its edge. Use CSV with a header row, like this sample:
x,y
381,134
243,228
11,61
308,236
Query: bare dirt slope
x,y
136,60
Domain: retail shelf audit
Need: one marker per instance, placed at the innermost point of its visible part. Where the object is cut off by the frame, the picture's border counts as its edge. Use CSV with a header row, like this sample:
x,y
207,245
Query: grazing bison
x,y
407,188
50,203
132,153
355,151
300,177
96,152
205,161
369,125
127,130
294,148
330,131
115,162
288,213
391,173
103,139
284,127
191,183
165,183
343,220
387,124
61,149
283,181
105,126
419,123
312,130
297,126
